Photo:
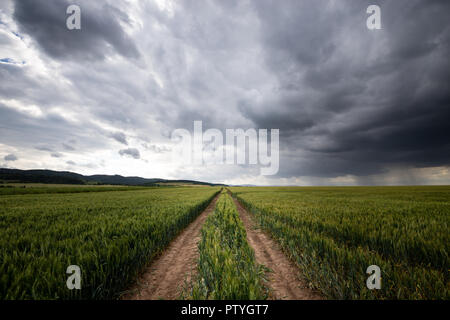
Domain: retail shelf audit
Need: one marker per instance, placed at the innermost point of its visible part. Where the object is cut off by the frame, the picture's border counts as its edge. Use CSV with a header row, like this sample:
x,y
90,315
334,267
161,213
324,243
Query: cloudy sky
x,y
353,106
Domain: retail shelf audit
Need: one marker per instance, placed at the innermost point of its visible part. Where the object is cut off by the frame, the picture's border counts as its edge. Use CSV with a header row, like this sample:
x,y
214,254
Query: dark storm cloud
x,y
354,101
10,157
45,21
131,152
347,100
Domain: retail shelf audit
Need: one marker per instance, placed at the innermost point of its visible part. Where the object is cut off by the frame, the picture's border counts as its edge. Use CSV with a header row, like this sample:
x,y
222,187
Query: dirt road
x,y
167,274
285,279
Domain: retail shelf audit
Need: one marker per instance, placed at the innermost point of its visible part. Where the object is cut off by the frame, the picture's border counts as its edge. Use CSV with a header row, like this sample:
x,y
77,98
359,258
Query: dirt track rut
x,y
165,277
284,280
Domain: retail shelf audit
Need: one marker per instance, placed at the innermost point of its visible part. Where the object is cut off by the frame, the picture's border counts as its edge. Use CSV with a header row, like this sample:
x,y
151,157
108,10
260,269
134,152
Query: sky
x,y
353,106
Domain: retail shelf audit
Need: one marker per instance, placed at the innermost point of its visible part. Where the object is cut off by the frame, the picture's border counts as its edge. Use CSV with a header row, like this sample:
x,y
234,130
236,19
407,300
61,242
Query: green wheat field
x,y
331,233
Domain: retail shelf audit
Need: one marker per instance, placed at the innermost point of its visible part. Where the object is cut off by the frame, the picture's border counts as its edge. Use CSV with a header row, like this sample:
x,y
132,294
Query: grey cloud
x,y
89,165
131,152
44,148
68,147
339,109
41,92
347,101
10,157
156,148
70,162
45,21
57,155
120,137
43,134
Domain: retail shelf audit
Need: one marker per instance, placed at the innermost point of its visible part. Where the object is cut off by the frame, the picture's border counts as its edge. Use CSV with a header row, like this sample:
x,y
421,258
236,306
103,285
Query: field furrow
x,y
164,278
284,278
335,234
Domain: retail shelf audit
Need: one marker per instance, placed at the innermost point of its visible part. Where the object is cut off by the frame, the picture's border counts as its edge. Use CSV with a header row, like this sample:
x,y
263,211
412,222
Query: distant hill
x,y
67,177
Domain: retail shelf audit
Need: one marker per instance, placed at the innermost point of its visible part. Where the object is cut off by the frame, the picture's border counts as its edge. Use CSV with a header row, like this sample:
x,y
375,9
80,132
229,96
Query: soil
x,y
285,280
165,277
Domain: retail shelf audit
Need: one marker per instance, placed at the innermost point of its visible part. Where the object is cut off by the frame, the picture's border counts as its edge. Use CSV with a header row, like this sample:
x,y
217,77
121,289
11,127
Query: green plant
x,y
335,233
226,267
110,235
